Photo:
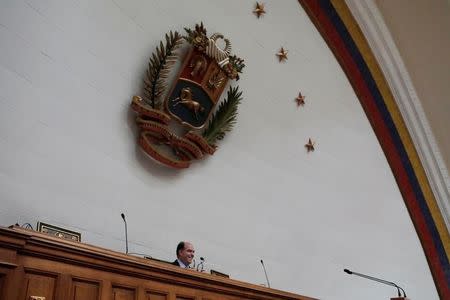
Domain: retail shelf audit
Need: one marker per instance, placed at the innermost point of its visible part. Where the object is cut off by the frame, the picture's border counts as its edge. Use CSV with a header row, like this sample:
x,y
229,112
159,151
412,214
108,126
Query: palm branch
x,y
159,67
224,118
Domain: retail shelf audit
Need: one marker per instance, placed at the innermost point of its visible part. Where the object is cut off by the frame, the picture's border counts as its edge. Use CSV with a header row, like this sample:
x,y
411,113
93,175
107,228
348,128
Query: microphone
x,y
377,280
126,232
200,266
267,278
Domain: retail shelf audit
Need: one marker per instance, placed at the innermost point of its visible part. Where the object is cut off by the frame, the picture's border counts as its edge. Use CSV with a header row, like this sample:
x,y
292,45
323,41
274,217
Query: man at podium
x,y
185,254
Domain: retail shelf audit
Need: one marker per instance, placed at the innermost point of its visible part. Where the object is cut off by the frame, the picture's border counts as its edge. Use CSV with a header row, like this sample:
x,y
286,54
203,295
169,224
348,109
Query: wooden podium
x,y
36,266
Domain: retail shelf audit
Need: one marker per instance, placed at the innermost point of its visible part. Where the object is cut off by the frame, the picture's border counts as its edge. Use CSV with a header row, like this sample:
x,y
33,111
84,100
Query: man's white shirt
x,y
182,265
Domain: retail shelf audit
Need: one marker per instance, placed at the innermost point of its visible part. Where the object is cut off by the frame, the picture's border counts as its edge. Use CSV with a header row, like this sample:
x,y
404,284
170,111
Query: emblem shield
x,y
191,100
197,89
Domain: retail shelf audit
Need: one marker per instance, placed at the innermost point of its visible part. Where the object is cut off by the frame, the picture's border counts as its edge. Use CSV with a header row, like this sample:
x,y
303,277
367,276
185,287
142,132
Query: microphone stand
x,y
200,266
378,280
265,273
126,232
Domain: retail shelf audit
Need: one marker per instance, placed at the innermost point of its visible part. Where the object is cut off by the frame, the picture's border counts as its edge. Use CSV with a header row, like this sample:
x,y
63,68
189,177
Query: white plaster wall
x,y
68,156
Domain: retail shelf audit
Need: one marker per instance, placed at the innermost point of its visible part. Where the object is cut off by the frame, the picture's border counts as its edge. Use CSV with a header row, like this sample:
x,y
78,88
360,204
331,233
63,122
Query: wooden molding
x,y
8,265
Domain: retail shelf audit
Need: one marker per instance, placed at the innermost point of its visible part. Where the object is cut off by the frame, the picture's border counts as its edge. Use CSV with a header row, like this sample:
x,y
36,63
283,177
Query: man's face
x,y
186,254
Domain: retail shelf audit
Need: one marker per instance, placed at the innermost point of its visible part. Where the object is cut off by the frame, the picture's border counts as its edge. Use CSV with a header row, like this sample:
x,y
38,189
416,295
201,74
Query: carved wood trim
x,y
8,265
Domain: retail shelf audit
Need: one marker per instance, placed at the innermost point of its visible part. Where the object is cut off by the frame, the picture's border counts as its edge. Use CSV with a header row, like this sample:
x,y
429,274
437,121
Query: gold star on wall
x,y
259,10
300,99
309,146
282,55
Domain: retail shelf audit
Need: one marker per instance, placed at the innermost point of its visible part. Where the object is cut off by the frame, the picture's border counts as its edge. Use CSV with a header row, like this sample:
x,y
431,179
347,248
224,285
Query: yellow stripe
x,y
369,58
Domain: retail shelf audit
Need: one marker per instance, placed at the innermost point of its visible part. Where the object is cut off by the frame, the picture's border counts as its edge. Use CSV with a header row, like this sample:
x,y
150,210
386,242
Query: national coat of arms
x,y
192,100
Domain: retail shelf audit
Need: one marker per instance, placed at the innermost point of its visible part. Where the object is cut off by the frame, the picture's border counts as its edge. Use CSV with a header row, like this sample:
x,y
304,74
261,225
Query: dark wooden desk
x,y
36,266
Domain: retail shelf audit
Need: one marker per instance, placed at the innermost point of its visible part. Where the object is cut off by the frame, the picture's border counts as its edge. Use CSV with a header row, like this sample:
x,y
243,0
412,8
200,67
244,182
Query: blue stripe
x,y
330,11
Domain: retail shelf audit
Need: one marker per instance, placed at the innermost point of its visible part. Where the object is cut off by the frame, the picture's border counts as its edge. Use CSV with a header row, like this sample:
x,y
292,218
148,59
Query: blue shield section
x,y
189,103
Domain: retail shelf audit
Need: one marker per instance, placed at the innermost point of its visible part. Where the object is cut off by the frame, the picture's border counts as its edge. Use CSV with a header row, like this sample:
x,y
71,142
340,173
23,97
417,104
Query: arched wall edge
x,y
393,109
383,47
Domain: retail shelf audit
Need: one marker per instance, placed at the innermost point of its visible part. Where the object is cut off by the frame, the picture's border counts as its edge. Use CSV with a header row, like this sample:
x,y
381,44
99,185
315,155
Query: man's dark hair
x,y
180,247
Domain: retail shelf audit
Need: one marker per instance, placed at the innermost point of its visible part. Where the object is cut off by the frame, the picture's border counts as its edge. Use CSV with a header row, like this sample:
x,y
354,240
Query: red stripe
x,y
346,61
